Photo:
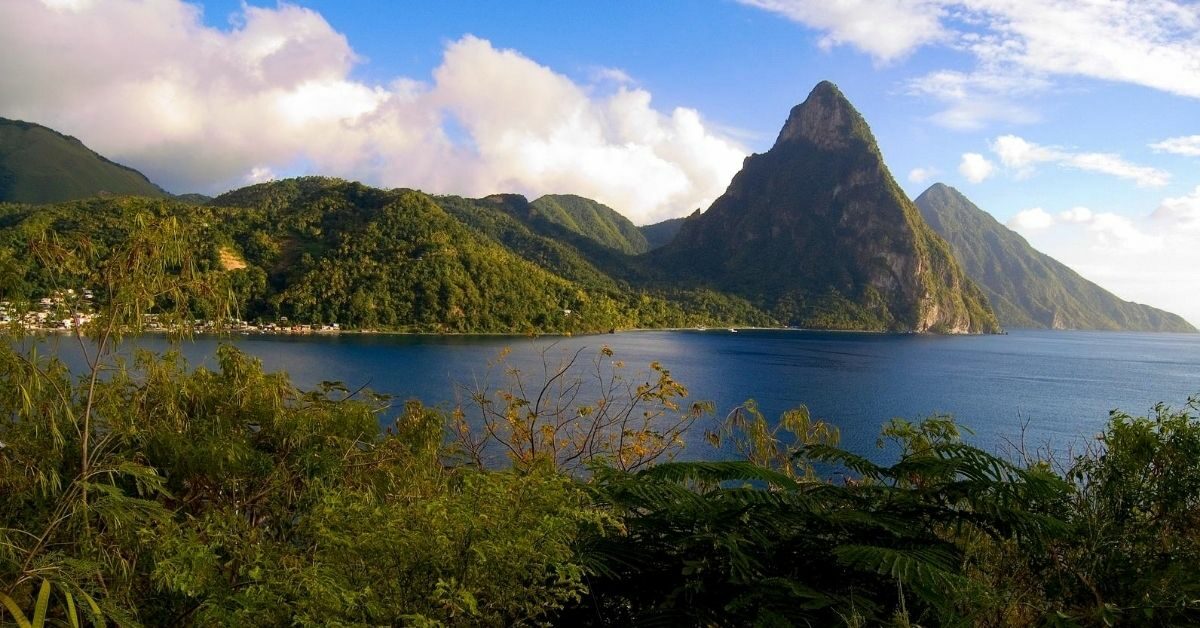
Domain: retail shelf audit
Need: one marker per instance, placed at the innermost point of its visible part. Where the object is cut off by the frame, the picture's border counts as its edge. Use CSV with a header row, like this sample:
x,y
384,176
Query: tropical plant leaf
x,y
15,610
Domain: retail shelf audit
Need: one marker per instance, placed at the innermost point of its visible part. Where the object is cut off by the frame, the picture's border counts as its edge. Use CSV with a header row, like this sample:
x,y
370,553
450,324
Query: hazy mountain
x,y
817,230
41,165
660,234
1028,288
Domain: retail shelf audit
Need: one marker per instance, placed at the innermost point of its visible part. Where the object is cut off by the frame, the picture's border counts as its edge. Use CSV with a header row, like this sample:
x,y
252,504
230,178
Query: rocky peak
x,y
826,118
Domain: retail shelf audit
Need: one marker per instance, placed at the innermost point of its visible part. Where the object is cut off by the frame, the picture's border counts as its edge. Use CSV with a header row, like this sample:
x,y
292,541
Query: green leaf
x,y
18,615
43,603
72,612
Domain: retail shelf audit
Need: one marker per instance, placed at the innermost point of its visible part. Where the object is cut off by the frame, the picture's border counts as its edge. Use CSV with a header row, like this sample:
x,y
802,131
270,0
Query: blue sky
x,y
1047,114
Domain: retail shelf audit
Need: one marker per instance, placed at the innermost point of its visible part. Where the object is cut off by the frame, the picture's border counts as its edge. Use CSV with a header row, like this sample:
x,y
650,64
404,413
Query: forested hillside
x,y
1026,287
320,251
40,165
591,219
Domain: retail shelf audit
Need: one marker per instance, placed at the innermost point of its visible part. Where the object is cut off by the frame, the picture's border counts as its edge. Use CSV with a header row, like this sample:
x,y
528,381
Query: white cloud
x,y
1180,213
1076,215
1022,156
885,29
1152,43
1188,145
1017,45
68,5
1032,219
921,175
1114,231
974,99
260,174
203,109
1108,230
1109,163
611,75
975,167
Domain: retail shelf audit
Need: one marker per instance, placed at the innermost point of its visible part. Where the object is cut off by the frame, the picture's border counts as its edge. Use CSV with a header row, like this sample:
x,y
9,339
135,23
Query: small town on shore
x,y
70,309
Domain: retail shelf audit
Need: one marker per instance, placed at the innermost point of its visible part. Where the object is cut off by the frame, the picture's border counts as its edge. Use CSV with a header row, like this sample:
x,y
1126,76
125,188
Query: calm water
x,y
1062,384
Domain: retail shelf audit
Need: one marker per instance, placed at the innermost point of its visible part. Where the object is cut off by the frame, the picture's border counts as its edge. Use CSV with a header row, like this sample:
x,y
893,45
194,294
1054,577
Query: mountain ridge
x,y
814,233
817,230
1026,287
40,165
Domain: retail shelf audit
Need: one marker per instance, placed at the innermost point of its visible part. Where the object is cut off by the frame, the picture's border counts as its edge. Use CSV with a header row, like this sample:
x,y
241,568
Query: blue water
x,y
1059,385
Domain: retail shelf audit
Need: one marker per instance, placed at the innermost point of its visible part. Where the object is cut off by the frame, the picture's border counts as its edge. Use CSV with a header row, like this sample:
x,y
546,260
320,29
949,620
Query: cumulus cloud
x,y
1187,145
1032,219
1109,230
975,167
1181,213
1080,215
1148,258
921,175
1017,44
204,109
1023,156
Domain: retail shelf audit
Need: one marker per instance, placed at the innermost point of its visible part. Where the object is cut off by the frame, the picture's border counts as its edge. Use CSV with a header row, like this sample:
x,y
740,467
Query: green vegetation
x,y
817,232
138,491
592,220
319,250
660,234
1026,287
40,165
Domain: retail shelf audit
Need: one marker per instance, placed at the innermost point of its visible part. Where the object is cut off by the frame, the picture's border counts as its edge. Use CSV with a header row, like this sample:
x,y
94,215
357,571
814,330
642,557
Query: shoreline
x,y
559,334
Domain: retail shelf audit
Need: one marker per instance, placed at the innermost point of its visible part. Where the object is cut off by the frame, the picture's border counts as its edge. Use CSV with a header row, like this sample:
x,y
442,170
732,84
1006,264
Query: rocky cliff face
x,y
817,230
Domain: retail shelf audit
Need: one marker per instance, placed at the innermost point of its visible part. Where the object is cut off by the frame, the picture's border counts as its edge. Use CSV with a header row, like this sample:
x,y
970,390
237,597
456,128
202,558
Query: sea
x,y
1036,392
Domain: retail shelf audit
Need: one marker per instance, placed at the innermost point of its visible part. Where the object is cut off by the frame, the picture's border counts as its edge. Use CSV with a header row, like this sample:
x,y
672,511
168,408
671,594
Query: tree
x,y
569,418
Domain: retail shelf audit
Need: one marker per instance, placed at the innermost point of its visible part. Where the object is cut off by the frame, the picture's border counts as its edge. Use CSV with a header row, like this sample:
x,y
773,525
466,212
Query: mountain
x,y
589,219
660,234
193,198
40,165
1028,288
594,266
817,231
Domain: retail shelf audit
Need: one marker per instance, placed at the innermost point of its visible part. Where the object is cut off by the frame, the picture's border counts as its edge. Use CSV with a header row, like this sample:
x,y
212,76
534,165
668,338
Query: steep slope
x,y
817,230
590,219
660,234
39,165
1028,288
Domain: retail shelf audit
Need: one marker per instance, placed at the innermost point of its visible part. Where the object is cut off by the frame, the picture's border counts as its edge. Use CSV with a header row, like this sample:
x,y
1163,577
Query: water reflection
x,y
1061,383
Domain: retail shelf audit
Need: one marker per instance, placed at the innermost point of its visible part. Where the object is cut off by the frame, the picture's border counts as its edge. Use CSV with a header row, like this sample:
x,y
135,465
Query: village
x,y
70,310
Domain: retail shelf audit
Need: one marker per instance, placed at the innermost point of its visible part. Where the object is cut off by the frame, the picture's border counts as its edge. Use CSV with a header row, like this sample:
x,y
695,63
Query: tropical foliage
x,y
322,251
136,490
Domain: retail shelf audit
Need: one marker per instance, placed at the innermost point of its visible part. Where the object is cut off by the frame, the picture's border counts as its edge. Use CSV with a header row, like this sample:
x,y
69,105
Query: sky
x,y
1074,122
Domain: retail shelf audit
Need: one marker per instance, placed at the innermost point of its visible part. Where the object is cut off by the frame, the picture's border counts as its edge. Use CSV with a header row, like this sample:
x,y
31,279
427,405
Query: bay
x,y
1053,388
